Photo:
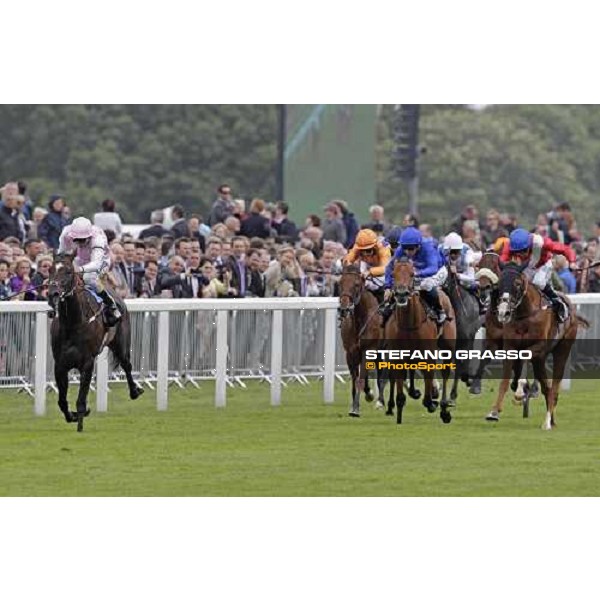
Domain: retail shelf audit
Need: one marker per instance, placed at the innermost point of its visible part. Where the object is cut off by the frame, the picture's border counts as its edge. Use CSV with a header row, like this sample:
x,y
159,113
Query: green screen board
x,y
329,153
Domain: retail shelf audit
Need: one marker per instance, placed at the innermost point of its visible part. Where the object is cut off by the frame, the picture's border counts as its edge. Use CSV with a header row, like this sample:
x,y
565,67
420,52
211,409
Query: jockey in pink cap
x,y
92,258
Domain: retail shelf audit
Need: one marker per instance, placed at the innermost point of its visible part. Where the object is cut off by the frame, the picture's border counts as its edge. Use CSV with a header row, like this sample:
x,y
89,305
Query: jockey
x,y
393,238
536,252
90,246
460,259
429,274
373,256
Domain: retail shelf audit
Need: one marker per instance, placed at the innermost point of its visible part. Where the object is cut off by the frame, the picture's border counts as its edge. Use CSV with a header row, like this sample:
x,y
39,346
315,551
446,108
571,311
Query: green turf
x,y
302,448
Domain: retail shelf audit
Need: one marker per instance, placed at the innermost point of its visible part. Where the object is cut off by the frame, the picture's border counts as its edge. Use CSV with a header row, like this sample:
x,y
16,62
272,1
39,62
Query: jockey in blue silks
x,y
430,274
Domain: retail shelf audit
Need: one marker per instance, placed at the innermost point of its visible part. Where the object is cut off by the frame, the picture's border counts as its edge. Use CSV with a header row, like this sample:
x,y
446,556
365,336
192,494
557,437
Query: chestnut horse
x,y
488,275
411,325
360,324
528,324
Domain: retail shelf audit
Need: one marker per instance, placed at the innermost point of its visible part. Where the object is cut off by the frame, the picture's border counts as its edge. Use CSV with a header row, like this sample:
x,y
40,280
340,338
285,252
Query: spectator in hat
x,y
108,219
54,222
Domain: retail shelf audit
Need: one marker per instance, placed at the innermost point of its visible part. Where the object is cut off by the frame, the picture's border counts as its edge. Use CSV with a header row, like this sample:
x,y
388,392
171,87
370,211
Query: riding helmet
x,y
366,239
411,237
453,241
520,240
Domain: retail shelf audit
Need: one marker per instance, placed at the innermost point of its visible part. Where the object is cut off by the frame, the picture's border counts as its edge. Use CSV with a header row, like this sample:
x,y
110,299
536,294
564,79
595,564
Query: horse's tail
x,y
582,322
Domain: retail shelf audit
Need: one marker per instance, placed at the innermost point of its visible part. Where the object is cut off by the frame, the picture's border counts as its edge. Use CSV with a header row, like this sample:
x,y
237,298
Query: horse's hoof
x,y
389,413
80,425
445,416
414,394
450,403
492,416
475,388
354,414
379,405
369,396
430,406
136,393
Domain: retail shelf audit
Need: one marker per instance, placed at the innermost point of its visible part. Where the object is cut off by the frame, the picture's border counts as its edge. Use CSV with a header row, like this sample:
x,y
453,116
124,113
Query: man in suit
x,y
156,229
254,276
148,284
130,266
237,265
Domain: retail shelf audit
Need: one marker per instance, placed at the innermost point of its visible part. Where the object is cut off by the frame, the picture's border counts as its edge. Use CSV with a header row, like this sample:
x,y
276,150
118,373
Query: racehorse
x,y
466,309
488,276
411,326
79,335
360,324
530,325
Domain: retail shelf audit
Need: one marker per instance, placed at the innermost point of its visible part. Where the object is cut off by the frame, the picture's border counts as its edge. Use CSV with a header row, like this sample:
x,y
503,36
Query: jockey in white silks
x,y
92,258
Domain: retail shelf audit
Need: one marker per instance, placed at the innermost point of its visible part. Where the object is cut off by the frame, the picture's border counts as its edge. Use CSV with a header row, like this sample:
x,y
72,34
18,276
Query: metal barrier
x,y
183,342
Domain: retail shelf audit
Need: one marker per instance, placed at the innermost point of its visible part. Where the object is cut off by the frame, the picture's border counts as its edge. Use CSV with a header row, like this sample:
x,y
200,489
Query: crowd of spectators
x,y
243,249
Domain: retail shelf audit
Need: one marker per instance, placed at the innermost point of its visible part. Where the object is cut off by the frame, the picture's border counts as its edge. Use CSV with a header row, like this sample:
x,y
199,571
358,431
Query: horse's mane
x,y
351,268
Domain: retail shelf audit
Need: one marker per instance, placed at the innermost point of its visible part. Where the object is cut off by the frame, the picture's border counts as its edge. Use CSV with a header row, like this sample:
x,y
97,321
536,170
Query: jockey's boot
x,y
385,310
112,312
378,293
561,309
433,299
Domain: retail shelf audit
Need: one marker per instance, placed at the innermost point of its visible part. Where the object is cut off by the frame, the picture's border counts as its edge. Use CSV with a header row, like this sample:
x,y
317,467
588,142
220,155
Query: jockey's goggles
x,y
410,247
80,240
368,251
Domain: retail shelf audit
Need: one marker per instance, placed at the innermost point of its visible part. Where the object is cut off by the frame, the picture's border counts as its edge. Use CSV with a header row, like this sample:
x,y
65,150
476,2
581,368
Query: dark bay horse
x,y
530,325
466,309
360,325
412,328
79,334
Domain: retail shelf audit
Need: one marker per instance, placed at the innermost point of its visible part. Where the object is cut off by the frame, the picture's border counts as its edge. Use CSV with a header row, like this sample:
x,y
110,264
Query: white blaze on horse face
x,y
504,308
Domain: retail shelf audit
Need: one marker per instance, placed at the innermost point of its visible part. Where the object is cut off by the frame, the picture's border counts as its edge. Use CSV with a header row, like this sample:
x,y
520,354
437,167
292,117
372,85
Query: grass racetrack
x,y
302,448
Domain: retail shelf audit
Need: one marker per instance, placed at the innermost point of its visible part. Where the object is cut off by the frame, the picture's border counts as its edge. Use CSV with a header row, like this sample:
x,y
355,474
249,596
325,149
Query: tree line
x,y
517,158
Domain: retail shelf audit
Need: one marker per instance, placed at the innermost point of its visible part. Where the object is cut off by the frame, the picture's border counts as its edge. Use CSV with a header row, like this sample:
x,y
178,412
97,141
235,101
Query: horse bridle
x,y
354,299
401,296
61,293
512,303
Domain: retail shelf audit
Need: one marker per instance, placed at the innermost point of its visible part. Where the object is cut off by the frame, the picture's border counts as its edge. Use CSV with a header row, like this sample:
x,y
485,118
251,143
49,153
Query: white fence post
x,y
221,367
329,358
41,348
102,381
162,369
276,357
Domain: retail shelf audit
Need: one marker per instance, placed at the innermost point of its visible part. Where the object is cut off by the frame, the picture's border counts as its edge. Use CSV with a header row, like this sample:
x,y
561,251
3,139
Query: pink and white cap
x,y
81,228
